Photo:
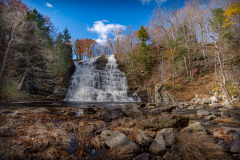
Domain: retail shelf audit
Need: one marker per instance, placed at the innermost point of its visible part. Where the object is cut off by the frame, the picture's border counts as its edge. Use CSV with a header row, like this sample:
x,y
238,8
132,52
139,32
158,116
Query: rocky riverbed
x,y
152,131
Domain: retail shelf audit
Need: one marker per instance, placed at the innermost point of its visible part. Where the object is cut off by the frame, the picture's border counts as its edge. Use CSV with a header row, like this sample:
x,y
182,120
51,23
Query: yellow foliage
x,y
169,54
231,13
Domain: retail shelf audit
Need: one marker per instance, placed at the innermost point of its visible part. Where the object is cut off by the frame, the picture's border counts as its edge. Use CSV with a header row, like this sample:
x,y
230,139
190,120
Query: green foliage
x,y
145,55
66,35
217,21
188,79
166,86
43,30
178,87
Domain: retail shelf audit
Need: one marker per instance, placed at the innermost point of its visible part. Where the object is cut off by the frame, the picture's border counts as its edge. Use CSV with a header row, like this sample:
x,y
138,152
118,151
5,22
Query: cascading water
x,y
89,83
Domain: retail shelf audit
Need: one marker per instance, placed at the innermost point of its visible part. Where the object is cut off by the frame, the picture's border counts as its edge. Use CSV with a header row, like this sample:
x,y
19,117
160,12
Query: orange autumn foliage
x,y
84,47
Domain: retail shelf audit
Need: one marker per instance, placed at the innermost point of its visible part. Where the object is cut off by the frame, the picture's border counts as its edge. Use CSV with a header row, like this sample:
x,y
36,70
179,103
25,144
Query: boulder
x,y
216,105
202,113
235,100
234,146
89,111
172,156
183,104
177,149
144,139
70,113
225,114
114,113
166,122
231,130
160,139
120,140
200,107
192,107
211,117
162,109
169,136
145,156
157,149
215,113
205,101
196,100
197,127
214,99
236,136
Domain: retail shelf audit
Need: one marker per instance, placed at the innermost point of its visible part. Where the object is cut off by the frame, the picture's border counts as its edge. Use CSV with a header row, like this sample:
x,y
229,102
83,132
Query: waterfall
x,y
93,81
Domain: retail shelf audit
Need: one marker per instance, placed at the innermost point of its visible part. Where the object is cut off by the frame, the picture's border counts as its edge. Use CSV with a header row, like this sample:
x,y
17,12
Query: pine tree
x,y
66,35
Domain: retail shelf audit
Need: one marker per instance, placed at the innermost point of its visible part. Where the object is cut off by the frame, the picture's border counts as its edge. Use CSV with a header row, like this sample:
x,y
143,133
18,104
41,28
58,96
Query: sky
x,y
96,19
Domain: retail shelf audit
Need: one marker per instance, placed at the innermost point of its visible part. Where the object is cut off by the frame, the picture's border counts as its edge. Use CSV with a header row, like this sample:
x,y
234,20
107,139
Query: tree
x,y
13,22
232,14
66,35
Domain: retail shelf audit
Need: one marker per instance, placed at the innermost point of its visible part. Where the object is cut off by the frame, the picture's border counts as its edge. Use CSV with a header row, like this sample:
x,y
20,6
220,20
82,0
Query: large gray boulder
x,y
214,99
216,105
197,127
144,139
157,149
114,113
162,109
205,101
120,140
160,139
169,136
202,113
166,122
183,104
176,153
234,146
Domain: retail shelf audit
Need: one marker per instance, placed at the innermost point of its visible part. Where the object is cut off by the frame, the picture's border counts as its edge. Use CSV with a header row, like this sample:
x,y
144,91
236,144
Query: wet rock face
x,y
166,122
101,62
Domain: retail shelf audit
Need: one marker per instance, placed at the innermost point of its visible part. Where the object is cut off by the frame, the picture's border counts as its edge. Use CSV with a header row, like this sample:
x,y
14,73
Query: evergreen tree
x,y
66,35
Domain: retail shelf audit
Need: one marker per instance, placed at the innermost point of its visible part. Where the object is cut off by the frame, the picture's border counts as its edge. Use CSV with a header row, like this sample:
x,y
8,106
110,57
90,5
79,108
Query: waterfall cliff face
x,y
99,80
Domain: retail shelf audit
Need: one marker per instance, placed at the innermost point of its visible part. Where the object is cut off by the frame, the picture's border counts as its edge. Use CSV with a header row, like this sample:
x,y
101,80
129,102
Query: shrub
x,y
199,147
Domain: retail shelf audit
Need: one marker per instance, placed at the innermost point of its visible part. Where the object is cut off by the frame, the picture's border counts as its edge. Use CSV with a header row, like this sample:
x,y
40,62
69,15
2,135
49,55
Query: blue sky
x,y
96,18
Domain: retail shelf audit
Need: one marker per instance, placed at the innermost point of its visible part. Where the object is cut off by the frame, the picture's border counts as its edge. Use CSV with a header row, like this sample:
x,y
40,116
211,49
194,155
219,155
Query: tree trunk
x,y
21,83
204,55
6,53
223,84
185,65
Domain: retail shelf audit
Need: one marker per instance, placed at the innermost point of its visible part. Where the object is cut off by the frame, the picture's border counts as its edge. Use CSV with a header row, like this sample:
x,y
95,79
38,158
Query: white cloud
x,y
48,5
148,1
103,30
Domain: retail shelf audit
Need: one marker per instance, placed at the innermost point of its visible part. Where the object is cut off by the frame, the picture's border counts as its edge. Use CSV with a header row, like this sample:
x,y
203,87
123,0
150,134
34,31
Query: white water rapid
x,y
99,85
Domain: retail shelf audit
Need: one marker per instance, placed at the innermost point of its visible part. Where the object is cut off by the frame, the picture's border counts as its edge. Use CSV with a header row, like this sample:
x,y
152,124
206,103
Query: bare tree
x,y
13,22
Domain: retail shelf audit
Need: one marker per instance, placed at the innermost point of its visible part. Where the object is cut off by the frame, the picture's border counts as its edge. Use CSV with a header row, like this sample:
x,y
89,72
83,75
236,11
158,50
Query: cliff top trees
x,y
84,48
